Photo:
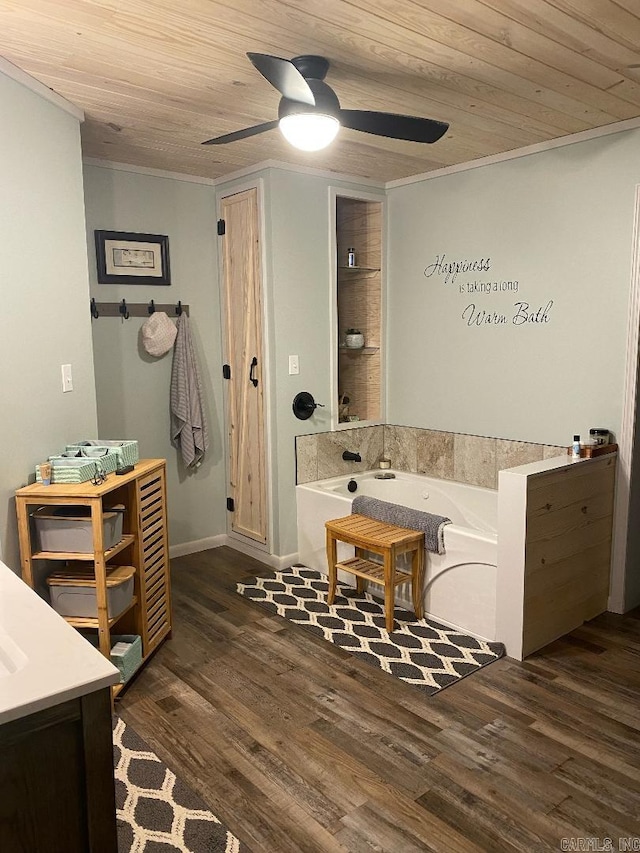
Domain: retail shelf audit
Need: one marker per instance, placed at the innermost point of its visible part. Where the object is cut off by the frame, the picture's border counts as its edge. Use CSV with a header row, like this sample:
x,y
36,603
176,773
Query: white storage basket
x,y
73,593
68,528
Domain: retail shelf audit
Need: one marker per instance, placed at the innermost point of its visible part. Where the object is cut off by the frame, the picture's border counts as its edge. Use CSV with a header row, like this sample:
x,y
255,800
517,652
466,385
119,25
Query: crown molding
x,y
516,153
10,70
237,175
144,170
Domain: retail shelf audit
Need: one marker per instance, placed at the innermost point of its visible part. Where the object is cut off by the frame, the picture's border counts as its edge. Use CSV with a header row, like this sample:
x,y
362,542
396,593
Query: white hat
x,y
158,334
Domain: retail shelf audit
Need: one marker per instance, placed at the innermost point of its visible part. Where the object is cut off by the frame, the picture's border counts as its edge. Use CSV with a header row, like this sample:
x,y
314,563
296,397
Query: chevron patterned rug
x,y
156,811
421,652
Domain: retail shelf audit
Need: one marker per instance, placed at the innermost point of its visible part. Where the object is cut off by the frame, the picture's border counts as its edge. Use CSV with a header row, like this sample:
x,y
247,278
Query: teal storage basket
x,y
125,450
131,657
106,458
69,470
130,660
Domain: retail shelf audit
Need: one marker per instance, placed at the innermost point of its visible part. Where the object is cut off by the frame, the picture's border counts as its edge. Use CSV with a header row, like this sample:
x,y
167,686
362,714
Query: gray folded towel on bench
x,y
403,516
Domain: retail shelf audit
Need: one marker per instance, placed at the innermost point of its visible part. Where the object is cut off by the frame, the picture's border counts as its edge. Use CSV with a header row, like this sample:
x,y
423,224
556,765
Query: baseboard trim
x,y
271,560
196,545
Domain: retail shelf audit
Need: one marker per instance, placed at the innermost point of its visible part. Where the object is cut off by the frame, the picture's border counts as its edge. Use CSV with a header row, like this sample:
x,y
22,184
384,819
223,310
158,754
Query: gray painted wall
x,y
560,224
44,320
133,387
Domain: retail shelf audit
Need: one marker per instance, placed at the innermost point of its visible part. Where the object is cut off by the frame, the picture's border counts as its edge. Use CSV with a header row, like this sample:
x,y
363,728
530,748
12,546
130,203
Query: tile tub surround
x,y
471,459
319,456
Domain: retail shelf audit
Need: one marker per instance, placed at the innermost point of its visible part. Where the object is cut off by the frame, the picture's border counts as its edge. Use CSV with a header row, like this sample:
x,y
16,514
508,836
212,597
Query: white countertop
x,y
43,660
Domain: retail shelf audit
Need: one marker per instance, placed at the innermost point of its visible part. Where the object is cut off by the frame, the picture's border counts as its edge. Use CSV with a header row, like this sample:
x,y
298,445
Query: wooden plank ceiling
x,y
157,77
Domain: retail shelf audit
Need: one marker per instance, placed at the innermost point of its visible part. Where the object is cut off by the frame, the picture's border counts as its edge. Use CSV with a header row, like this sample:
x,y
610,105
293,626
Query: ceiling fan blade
x,y
242,134
283,74
394,126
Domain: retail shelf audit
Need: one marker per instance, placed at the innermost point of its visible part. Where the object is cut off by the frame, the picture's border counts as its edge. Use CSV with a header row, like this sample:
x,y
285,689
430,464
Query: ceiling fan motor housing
x,y
311,66
327,102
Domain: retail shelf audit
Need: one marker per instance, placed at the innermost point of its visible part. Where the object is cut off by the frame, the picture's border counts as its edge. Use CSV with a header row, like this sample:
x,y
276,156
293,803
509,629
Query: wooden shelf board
x,y
85,493
353,272
359,350
126,540
370,571
92,621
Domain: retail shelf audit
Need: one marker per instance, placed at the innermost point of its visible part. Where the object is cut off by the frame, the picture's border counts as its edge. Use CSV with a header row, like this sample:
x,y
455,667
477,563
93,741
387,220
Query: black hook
x,y
122,308
94,309
151,307
179,309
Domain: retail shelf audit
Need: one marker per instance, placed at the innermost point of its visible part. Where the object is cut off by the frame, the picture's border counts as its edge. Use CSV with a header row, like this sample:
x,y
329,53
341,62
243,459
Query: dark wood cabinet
x,y
57,792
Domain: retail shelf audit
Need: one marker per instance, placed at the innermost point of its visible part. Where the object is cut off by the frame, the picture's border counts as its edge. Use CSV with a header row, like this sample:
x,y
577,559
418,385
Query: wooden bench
x,y
377,537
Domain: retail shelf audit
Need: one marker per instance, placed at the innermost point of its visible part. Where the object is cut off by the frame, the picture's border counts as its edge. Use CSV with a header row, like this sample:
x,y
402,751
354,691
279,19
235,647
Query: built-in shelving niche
x,y
359,226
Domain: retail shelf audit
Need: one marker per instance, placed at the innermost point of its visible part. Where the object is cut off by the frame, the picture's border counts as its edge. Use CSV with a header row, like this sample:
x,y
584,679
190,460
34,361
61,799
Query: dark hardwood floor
x,y
296,746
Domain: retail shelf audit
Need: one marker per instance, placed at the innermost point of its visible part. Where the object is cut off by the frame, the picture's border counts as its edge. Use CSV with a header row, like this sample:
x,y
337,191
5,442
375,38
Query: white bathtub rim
x,y
480,532
370,474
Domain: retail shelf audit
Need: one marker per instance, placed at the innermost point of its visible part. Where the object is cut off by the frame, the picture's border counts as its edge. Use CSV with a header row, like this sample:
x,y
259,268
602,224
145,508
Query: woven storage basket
x,y
69,470
106,458
128,662
127,451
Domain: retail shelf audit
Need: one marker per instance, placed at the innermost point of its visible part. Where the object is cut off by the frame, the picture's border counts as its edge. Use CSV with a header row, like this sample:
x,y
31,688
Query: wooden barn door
x,y
242,292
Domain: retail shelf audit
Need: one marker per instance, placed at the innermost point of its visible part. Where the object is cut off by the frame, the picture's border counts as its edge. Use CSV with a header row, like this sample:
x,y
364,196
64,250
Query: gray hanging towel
x,y
188,422
415,519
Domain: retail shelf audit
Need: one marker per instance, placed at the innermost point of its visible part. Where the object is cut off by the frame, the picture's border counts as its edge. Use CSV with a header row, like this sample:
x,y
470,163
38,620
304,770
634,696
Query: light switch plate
x,y
67,378
294,365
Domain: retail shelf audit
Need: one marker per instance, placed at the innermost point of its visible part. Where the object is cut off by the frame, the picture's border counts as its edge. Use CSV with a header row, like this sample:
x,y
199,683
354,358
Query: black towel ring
x,y
122,308
179,309
151,307
94,309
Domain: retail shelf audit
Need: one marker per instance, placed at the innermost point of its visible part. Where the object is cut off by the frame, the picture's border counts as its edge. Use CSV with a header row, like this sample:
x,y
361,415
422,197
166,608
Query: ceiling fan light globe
x,y
309,131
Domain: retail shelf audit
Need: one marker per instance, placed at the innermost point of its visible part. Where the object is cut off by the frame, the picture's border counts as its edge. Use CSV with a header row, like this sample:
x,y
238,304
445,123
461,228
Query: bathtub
x,y
460,585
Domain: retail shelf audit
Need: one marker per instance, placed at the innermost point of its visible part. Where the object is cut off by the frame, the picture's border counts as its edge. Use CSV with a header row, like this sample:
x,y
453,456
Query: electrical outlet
x,y
67,378
294,365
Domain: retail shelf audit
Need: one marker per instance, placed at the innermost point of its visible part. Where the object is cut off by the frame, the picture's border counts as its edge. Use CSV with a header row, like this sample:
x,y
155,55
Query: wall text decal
x,y
517,314
522,315
451,269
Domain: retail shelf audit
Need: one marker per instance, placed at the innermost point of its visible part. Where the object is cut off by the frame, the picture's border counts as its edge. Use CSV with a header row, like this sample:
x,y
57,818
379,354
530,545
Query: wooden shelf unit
x,y
144,545
359,304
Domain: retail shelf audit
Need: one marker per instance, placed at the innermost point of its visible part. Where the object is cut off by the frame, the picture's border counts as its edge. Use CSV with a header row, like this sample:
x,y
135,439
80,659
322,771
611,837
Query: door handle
x,y
254,364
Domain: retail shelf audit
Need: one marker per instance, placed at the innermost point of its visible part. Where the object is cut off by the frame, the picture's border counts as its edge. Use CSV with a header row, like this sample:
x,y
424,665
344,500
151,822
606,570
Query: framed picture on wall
x,y
125,258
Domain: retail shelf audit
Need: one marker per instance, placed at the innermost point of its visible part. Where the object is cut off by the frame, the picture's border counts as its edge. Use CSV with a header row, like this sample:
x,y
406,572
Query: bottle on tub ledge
x,y
599,442
575,447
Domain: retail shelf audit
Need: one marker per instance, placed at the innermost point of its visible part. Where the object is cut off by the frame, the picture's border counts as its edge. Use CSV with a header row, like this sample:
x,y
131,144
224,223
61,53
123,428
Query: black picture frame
x,y
119,253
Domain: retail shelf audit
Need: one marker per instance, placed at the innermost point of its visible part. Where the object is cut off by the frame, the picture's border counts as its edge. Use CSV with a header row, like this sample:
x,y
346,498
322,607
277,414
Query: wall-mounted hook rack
x,y
138,309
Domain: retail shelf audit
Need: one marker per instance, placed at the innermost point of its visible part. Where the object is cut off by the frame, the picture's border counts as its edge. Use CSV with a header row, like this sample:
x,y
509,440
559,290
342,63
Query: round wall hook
x,y
304,405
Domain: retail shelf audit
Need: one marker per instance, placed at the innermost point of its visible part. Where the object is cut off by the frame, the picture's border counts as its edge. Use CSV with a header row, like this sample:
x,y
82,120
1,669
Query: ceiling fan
x,y
309,113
